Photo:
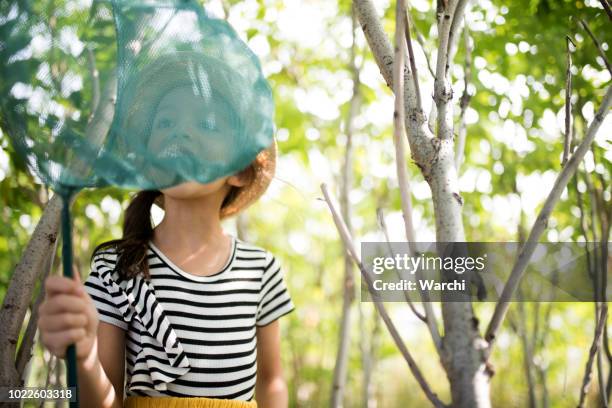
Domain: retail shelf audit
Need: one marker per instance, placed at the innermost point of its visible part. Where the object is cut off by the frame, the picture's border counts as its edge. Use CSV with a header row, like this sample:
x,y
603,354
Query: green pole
x,y
67,264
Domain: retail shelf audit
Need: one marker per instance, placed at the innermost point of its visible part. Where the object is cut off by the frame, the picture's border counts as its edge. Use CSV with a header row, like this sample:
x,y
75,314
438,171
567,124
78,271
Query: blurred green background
x,y
514,122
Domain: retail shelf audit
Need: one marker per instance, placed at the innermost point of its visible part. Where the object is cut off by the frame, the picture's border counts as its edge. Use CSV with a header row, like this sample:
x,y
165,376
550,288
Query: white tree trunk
x,y
463,349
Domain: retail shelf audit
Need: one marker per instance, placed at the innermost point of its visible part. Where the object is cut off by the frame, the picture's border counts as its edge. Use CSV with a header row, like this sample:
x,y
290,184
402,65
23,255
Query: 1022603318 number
x,y
9,394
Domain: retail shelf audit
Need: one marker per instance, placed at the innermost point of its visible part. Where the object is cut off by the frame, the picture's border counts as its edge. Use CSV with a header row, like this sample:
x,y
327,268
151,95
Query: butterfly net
x,y
191,100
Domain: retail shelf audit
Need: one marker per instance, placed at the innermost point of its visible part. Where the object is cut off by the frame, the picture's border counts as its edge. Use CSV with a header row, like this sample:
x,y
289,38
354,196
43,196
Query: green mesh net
x,y
192,104
191,101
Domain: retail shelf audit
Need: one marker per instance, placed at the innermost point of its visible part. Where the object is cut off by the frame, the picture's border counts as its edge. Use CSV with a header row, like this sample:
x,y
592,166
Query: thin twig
x,y
366,357
348,292
606,225
398,121
50,369
588,371
584,229
540,224
374,347
350,247
602,54
449,22
523,332
602,211
382,224
443,93
600,367
606,7
567,140
539,343
413,67
401,37
421,42
453,39
465,100
598,273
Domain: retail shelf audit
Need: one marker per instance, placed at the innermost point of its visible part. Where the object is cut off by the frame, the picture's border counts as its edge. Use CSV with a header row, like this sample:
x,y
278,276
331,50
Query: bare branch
x,y
398,120
523,333
421,42
430,320
350,247
465,100
540,223
599,356
413,68
594,272
380,218
584,229
588,371
445,17
443,93
453,39
567,140
53,361
348,295
606,7
602,54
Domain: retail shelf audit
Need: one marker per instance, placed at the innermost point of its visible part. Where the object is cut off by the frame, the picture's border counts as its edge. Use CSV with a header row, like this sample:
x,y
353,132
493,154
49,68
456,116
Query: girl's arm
x,y
101,374
271,389
68,316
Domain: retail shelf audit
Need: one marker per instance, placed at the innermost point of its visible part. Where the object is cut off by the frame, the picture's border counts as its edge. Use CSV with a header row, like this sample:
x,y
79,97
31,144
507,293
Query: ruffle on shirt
x,y
137,301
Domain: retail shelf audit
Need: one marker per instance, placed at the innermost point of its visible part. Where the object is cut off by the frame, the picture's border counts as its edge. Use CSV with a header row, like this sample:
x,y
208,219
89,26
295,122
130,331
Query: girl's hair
x,y
131,249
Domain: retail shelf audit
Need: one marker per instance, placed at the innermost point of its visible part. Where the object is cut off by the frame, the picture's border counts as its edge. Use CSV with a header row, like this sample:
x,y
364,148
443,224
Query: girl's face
x,y
191,127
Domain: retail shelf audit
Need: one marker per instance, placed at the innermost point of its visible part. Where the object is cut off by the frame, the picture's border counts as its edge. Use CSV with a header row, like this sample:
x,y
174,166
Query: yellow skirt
x,y
175,402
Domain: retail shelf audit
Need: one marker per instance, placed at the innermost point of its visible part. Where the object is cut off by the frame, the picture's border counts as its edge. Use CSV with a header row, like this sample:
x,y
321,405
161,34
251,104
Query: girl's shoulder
x,y
246,250
104,258
105,254
249,247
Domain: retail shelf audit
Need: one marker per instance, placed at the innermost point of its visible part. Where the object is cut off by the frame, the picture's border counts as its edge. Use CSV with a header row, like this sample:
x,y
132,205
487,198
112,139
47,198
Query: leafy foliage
x,y
513,150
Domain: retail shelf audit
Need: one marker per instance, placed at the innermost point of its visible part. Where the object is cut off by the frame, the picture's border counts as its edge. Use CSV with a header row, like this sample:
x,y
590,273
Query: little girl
x,y
183,314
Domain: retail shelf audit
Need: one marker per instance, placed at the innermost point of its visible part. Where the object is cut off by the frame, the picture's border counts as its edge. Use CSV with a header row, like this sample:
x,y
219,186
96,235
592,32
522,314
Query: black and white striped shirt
x,y
188,335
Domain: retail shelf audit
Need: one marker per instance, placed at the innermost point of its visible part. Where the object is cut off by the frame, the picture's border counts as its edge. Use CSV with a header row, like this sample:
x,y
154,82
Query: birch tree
x,y
463,351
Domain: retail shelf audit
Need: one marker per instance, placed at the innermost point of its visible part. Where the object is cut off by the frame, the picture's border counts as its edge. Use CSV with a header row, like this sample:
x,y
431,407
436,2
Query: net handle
x,y
67,260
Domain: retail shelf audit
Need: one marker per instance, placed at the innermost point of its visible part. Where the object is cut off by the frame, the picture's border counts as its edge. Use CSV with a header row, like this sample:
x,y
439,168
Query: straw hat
x,y
264,167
